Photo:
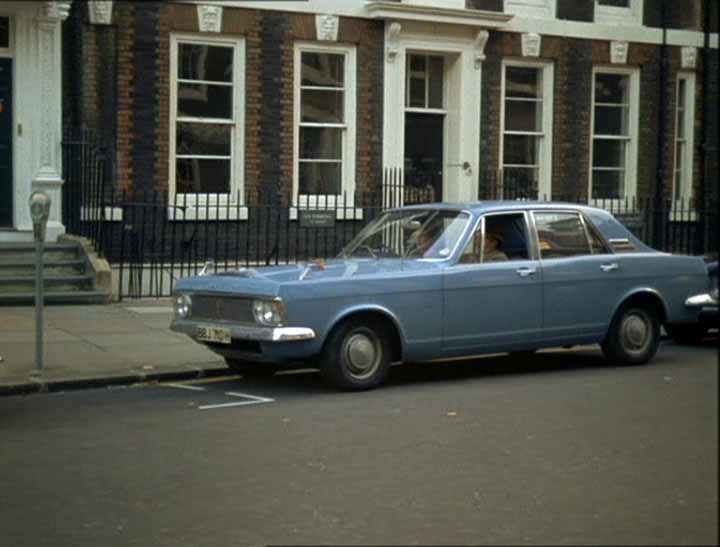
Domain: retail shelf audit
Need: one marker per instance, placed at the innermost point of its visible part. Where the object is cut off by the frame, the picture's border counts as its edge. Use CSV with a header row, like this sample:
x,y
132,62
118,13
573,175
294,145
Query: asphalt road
x,y
558,449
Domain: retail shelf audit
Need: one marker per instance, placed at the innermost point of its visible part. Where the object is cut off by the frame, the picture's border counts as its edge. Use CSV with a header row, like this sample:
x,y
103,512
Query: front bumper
x,y
254,333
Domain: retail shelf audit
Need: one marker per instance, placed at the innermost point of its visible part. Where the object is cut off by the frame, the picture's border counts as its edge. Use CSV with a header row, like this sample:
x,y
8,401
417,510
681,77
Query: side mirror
x,y
39,212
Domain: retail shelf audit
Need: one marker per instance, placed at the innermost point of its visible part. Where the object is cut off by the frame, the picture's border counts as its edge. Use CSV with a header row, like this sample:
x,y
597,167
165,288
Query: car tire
x,y
633,337
251,370
686,334
356,356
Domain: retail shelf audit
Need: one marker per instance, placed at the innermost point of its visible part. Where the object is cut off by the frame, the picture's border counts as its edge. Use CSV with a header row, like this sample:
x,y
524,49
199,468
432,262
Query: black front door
x,y
6,172
423,157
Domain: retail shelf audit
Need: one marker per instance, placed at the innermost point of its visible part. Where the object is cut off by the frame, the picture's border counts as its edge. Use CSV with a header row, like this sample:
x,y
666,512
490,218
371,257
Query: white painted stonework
x,y
618,52
392,40
100,12
35,50
481,38
326,27
463,51
688,57
531,44
209,18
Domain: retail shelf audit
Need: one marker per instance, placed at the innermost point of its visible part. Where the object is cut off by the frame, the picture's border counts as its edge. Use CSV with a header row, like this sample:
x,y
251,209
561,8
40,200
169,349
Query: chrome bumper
x,y
246,332
700,301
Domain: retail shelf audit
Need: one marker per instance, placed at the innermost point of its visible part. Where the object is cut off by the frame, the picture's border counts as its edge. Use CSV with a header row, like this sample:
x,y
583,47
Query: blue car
x,y
440,281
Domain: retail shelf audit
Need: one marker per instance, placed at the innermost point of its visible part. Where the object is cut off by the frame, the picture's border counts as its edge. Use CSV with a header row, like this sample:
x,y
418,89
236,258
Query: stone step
x,y
50,267
56,297
25,252
25,283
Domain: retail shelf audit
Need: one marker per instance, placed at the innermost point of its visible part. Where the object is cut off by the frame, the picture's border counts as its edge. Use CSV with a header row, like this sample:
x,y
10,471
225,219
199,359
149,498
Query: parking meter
x,y
39,212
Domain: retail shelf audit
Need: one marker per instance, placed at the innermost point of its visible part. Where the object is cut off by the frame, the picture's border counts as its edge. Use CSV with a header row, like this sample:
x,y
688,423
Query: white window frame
x,y
611,15
538,9
426,109
686,165
347,196
546,141
220,206
631,150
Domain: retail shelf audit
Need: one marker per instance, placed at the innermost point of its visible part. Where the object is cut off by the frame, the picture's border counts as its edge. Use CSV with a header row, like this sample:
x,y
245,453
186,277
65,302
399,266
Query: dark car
x,y
707,306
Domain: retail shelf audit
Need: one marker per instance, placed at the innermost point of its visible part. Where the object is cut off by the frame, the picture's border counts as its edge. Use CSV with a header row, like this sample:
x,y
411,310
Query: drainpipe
x,y
659,202
705,147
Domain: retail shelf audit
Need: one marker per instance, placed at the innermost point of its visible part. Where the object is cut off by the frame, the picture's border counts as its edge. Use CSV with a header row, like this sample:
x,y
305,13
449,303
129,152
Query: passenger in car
x,y
492,252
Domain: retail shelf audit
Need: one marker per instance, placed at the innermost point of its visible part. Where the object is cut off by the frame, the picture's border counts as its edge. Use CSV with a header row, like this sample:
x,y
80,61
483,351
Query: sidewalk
x,y
98,345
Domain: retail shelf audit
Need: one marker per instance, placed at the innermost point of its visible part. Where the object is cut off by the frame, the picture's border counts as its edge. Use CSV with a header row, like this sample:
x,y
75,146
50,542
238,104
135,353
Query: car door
x,y
583,280
493,305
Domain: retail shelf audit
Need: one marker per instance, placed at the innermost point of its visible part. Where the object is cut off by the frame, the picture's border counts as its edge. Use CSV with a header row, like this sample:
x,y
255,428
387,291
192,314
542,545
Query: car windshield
x,y
410,233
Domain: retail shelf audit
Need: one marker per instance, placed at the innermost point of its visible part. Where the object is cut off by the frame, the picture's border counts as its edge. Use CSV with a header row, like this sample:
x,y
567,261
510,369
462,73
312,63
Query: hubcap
x,y
361,355
635,333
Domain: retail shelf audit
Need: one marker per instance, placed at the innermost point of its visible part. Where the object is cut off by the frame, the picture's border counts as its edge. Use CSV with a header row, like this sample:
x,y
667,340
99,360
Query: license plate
x,y
214,334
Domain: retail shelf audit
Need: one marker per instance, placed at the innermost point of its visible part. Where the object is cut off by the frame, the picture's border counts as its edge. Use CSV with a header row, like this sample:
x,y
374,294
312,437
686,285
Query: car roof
x,y
479,207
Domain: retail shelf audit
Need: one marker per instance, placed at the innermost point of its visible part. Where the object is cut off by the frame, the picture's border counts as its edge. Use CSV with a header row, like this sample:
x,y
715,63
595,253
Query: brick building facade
x,y
578,97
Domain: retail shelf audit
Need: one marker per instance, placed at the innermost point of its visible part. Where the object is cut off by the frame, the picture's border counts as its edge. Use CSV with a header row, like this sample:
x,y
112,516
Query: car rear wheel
x,y
633,337
356,356
251,370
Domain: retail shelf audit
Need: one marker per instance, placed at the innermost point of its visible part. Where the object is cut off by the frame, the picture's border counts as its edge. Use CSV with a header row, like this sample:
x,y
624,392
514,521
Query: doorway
x,y
6,171
425,114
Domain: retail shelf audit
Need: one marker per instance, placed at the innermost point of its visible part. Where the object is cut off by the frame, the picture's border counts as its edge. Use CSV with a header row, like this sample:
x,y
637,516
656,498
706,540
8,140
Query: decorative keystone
x,y
326,27
618,52
209,18
531,44
688,57
100,12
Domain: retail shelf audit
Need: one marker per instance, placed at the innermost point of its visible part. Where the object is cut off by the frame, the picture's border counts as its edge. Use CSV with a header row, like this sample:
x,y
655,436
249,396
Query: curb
x,y
41,386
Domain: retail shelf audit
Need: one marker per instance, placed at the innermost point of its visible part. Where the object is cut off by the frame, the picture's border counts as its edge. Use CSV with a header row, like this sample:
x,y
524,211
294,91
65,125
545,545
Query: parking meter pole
x,y
39,306
39,212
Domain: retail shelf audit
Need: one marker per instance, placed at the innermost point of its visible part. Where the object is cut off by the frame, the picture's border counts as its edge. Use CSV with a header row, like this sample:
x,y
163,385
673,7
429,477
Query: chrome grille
x,y
224,308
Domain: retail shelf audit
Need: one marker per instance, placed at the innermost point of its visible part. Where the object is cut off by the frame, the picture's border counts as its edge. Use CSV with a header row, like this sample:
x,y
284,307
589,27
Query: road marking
x,y
183,386
255,400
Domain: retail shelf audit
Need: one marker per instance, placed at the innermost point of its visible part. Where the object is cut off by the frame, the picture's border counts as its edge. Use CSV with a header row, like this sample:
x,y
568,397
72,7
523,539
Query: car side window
x,y
561,235
597,245
498,238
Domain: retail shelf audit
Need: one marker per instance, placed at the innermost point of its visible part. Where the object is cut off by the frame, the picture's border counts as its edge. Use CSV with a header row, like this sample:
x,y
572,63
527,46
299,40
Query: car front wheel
x,y
356,356
633,337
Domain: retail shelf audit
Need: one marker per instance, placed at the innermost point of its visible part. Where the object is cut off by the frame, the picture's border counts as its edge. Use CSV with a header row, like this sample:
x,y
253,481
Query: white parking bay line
x,y
183,386
254,400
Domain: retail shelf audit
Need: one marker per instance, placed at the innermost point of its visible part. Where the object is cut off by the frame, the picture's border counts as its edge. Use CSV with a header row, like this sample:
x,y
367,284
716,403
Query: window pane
x,y
596,243
607,184
611,88
321,143
523,82
203,139
320,178
681,124
4,32
323,69
200,62
417,93
608,153
611,120
417,65
615,3
205,101
202,176
520,150
681,93
321,106
561,235
523,116
436,82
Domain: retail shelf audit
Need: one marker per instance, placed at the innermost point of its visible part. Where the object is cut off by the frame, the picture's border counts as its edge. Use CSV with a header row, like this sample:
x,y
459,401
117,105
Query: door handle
x,y
524,272
609,267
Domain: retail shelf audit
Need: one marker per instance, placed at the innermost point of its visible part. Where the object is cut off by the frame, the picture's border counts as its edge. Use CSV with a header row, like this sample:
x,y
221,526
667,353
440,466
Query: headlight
x,y
269,312
182,304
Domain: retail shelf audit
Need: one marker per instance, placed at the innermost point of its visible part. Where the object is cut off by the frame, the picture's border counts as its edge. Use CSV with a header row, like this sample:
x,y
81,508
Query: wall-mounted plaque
x,y
316,218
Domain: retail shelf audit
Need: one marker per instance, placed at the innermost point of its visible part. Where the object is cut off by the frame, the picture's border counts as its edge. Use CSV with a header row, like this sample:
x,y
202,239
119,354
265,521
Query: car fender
x,y
637,291
366,307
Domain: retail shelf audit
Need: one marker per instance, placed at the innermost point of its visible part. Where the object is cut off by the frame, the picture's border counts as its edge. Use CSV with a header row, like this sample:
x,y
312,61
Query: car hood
x,y
266,281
